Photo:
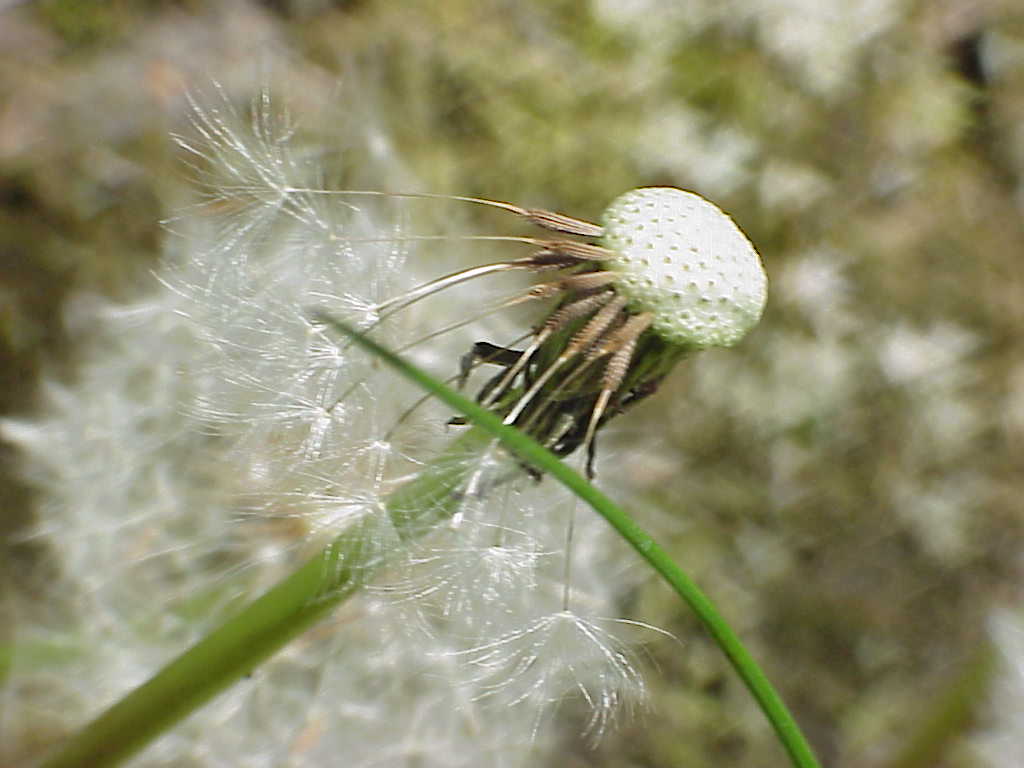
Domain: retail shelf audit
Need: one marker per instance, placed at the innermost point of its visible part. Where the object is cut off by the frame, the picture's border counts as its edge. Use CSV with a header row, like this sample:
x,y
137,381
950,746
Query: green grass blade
x,y
215,662
303,598
526,448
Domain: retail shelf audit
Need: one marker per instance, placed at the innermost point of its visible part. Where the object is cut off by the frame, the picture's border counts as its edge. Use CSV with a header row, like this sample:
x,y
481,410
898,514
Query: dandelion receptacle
x,y
666,274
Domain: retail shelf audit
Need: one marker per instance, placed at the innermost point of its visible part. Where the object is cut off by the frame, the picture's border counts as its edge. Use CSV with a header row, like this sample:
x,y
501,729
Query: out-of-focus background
x,y
847,483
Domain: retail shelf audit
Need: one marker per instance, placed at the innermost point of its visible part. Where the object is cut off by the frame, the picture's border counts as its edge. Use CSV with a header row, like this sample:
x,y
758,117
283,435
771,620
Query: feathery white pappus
x,y
684,260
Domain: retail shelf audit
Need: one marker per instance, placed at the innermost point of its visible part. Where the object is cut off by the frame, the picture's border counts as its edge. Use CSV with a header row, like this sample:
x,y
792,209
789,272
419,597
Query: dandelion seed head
x,y
220,434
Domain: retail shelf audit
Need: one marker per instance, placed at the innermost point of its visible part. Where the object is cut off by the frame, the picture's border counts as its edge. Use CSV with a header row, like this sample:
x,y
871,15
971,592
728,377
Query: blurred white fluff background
x,y
214,437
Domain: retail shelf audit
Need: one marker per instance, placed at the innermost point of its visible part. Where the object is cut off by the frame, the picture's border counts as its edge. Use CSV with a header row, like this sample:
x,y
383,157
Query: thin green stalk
x,y
286,610
524,447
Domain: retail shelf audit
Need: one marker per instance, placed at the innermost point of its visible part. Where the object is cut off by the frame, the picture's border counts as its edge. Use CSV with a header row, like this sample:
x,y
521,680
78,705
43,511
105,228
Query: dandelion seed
x,y
558,656
480,573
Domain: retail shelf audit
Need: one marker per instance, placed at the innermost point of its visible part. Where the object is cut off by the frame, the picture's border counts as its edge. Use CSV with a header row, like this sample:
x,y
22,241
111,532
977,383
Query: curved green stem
x,y
529,450
292,606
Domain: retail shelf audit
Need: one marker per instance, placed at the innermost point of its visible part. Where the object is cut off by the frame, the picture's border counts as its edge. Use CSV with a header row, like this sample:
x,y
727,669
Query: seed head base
x,y
667,273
